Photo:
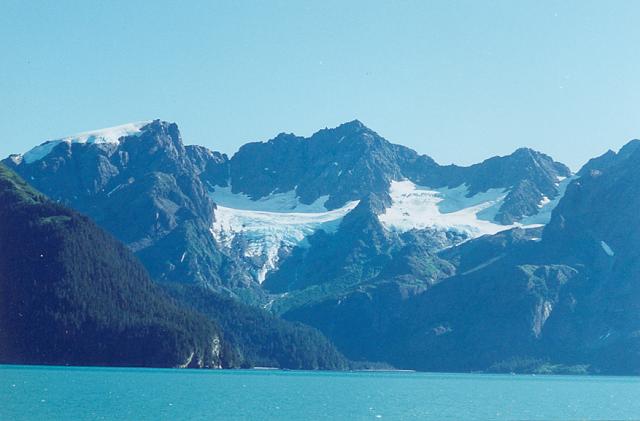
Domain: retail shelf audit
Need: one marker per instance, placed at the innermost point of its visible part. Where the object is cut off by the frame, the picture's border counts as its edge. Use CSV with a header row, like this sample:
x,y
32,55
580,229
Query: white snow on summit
x,y
261,229
108,135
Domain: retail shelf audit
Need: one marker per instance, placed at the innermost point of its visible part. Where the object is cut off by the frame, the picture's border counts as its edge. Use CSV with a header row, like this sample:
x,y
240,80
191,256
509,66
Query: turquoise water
x,y
61,393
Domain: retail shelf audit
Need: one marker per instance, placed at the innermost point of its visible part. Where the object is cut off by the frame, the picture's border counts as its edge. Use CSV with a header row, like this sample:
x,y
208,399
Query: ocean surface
x,y
74,393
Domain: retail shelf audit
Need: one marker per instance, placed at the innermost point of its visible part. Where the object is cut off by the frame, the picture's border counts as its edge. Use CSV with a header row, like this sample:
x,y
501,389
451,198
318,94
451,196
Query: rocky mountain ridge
x,y
148,176
393,256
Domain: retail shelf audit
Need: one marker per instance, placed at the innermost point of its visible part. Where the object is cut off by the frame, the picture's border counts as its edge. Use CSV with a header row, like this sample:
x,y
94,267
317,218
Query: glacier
x,y
420,207
261,230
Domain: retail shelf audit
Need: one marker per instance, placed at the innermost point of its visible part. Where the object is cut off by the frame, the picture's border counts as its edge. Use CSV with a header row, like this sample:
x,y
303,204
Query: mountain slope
x,y
599,221
257,338
336,168
142,186
272,196
562,298
391,255
71,294
491,306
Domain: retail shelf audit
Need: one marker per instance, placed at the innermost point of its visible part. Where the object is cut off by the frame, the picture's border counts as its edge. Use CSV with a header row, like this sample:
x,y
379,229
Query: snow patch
x,y
115,189
451,209
108,135
544,201
416,207
607,249
259,230
17,159
484,265
275,202
546,205
541,315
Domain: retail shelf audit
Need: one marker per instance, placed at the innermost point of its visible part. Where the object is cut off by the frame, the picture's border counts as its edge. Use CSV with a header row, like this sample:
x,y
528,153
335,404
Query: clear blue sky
x,y
458,80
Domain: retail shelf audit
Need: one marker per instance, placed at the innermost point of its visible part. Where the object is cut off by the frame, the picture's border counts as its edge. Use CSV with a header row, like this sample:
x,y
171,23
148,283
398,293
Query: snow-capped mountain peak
x,y
106,135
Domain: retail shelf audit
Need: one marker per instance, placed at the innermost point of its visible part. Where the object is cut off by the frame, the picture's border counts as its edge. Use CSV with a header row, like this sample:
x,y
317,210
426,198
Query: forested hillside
x,y
72,294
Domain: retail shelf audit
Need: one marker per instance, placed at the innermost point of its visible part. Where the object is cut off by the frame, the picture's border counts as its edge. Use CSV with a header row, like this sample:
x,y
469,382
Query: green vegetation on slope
x,y
72,294
257,338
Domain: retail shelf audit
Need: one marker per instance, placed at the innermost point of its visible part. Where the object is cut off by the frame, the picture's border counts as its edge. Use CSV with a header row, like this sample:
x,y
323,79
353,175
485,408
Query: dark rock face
x,y
528,173
346,163
146,190
477,319
610,158
351,161
361,244
212,167
462,323
597,227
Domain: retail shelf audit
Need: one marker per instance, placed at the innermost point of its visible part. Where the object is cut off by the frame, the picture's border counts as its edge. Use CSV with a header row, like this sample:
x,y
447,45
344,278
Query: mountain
x,y
596,228
272,197
140,183
511,264
488,310
71,294
351,161
283,192
452,268
399,210
558,298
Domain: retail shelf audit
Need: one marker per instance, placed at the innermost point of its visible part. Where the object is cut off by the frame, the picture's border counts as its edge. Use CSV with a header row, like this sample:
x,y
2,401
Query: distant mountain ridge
x,y
351,161
393,256
564,296
148,176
